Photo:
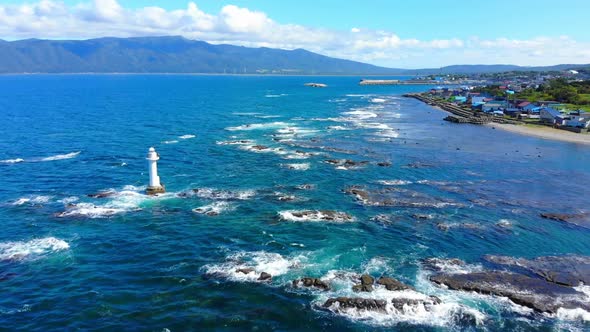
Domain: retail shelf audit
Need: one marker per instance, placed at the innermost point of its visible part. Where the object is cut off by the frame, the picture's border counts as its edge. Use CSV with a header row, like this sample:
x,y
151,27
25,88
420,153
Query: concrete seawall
x,y
459,114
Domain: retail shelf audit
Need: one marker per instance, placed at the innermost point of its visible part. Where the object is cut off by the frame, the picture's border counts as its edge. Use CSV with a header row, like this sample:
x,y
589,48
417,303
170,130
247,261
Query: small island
x,y
316,85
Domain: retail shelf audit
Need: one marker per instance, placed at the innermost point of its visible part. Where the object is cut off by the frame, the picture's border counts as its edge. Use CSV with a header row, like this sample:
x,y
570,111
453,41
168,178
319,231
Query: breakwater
x,y
459,114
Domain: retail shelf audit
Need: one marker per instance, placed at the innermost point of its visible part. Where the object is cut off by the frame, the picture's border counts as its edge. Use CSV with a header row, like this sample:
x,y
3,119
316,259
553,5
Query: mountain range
x,y
172,54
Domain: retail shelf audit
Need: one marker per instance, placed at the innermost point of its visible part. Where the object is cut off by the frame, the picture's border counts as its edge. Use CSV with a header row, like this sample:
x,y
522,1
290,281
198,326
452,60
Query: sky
x,y
390,33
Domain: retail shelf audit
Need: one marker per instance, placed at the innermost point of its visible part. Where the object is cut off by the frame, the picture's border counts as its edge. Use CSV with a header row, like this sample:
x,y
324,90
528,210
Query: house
x,y
460,99
523,105
493,106
578,119
514,112
550,115
476,101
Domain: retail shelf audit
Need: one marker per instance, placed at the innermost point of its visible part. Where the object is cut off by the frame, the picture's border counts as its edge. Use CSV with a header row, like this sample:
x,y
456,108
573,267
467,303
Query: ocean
x,y
266,175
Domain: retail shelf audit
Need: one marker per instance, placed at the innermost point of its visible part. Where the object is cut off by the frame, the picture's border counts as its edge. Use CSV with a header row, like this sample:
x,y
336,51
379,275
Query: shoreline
x,y
545,133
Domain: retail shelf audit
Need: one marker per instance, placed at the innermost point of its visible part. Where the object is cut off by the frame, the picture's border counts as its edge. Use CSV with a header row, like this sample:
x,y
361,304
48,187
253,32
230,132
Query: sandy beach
x,y
544,132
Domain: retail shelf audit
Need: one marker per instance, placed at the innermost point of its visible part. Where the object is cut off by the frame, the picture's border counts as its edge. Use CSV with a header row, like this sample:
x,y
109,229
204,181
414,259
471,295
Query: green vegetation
x,y
560,90
575,94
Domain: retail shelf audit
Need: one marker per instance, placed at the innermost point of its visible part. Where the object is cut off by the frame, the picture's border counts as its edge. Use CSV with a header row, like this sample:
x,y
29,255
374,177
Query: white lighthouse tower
x,y
155,187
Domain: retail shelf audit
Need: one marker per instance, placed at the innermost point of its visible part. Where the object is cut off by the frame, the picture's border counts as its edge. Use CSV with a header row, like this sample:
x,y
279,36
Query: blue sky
x,y
410,34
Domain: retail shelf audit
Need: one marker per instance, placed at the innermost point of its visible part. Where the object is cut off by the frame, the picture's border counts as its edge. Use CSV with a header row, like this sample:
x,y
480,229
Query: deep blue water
x,y
133,262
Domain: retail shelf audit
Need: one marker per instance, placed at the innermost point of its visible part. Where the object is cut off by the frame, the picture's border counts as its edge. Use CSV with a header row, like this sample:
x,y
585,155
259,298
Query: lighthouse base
x,y
155,190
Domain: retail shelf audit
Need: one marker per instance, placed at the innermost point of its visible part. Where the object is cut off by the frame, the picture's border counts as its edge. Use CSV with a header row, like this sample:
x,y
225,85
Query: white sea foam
x,y
263,149
267,116
12,161
259,126
214,208
577,314
394,182
69,200
275,95
388,133
378,100
189,136
316,216
130,199
32,200
215,194
90,210
373,125
32,249
361,115
61,156
170,142
237,142
297,167
422,312
338,128
504,223
259,261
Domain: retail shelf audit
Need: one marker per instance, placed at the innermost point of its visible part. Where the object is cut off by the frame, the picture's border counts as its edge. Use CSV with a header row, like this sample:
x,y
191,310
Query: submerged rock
x,y
102,194
305,187
357,303
317,215
534,293
439,264
245,270
311,282
580,219
384,164
260,147
568,270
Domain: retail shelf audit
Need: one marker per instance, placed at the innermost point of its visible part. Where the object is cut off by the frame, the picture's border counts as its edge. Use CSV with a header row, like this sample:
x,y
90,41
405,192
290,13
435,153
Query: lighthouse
x,y
154,187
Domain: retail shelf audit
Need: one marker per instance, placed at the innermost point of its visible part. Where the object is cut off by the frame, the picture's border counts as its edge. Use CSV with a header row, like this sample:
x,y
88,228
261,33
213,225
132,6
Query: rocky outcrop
x,y
534,293
366,284
356,303
265,276
563,270
245,270
311,282
393,284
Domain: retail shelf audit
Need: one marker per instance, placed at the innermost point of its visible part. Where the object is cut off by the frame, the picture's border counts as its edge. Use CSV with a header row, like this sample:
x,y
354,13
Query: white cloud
x,y
242,26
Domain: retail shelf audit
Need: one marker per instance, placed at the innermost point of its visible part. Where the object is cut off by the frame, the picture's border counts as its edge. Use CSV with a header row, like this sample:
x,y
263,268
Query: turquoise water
x,y
133,262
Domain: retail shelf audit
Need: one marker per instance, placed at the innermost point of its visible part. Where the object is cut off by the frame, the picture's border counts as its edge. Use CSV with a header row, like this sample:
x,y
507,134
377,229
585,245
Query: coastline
x,y
545,133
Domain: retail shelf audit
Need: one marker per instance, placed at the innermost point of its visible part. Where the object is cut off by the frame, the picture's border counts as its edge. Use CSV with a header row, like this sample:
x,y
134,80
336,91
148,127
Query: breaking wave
x,y
214,208
297,167
61,156
33,249
247,266
316,216
12,161
394,182
187,136
259,126
32,200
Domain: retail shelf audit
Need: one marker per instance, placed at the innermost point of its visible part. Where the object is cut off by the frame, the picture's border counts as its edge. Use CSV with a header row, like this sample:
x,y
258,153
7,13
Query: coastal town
x,y
557,100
